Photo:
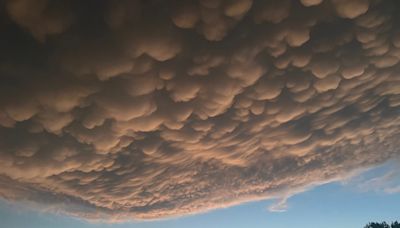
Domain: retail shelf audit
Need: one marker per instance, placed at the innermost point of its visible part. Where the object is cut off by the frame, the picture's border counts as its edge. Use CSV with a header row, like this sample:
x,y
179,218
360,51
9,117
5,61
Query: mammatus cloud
x,y
148,109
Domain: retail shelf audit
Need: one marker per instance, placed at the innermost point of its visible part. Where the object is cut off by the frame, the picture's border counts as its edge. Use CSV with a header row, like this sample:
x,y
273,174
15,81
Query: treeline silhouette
x,y
382,225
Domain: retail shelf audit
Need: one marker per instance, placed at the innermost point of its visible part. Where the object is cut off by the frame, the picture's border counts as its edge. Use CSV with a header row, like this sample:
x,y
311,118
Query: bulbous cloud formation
x,y
148,109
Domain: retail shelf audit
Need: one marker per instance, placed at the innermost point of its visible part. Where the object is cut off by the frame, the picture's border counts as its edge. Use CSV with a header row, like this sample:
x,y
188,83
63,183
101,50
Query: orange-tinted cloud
x,y
148,109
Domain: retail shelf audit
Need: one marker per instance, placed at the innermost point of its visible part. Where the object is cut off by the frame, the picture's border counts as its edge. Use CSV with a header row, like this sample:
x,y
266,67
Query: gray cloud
x,y
149,109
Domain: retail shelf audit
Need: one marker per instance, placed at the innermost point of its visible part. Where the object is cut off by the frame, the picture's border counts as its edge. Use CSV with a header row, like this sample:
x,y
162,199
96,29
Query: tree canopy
x,y
382,225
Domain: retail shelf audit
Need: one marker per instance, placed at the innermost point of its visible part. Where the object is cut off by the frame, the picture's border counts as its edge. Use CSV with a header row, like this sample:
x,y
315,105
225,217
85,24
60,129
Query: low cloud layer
x,y
148,109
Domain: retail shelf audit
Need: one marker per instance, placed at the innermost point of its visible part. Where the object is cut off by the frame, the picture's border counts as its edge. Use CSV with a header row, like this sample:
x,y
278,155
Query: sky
x,y
341,204
196,111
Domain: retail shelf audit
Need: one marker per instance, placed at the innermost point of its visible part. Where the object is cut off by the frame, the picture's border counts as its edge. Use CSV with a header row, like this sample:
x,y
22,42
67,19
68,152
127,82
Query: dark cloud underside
x,y
145,109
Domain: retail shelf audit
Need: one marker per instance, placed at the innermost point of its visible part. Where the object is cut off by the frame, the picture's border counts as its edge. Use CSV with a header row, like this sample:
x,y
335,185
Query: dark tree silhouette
x,y
382,225
395,225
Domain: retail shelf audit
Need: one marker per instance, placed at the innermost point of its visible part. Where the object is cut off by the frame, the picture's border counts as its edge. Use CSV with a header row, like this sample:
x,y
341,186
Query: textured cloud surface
x,y
147,109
